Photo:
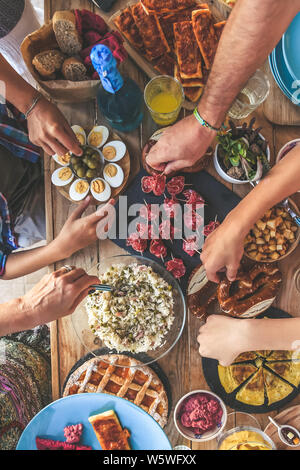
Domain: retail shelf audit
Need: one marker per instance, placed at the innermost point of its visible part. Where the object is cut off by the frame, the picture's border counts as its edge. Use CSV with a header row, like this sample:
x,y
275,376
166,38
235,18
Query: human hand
x,y
180,146
223,250
223,338
48,129
55,296
79,232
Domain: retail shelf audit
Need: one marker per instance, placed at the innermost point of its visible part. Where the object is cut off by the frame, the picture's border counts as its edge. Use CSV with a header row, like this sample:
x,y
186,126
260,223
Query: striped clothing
x,y
7,240
14,134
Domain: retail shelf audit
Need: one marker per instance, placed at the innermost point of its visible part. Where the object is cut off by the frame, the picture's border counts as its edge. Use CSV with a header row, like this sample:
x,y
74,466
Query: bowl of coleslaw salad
x,y
143,316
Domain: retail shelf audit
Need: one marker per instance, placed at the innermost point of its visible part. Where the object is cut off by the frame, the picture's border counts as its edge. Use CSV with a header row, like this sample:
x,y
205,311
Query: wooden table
x,y
183,364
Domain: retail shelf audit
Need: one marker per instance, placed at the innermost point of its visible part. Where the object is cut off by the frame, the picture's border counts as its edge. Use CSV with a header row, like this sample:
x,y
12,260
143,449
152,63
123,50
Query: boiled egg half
x,y
98,136
80,134
79,189
100,189
113,174
62,176
114,151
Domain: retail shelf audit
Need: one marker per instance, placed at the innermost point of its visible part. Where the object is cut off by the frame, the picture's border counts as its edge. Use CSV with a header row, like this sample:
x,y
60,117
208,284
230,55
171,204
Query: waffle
x,y
124,377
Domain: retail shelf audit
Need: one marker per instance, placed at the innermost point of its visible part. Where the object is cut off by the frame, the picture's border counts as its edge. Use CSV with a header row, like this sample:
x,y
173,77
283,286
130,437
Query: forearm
x,y
268,334
25,262
15,317
18,91
282,181
252,31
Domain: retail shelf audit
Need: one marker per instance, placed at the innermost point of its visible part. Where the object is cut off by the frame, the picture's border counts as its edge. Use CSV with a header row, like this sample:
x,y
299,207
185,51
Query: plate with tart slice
x,y
257,381
114,422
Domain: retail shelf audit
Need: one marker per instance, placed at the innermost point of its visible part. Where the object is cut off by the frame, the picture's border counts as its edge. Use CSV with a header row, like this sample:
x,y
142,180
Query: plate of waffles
x,y
122,376
93,421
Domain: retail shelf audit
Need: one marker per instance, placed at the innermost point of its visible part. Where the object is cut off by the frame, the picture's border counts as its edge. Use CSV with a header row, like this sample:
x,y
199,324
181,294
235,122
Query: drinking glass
x,y
251,96
164,97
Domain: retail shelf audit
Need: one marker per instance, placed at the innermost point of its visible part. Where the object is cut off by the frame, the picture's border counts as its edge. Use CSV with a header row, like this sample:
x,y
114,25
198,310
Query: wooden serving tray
x,y
289,416
219,11
115,192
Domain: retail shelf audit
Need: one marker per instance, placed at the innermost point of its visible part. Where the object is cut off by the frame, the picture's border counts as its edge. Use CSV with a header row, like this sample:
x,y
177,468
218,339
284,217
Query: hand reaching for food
x,y
223,250
56,295
49,130
214,343
79,232
180,146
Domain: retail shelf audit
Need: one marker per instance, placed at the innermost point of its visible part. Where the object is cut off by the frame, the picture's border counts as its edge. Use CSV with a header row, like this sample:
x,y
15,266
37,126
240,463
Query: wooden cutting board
x,y
278,108
289,416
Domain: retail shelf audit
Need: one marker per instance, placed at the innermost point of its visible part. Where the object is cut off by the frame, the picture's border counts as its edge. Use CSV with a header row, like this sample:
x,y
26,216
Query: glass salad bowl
x,y
87,331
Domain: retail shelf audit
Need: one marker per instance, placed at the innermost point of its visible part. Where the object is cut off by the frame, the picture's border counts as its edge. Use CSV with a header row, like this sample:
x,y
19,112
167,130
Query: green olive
x,y
75,160
81,172
92,164
91,173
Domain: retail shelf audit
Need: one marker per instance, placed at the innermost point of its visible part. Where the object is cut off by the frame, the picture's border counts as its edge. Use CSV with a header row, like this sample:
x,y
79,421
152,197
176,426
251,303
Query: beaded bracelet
x,y
205,123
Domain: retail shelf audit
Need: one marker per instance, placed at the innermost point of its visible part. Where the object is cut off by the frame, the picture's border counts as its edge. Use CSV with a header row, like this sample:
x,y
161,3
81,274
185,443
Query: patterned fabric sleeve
x,y
7,240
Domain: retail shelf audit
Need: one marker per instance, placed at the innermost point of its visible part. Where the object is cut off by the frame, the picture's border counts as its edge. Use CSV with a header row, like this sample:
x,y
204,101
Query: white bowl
x,y
223,174
187,433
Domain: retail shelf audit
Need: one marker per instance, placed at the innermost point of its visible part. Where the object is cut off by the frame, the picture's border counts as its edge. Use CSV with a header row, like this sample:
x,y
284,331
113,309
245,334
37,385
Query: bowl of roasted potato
x,y
274,236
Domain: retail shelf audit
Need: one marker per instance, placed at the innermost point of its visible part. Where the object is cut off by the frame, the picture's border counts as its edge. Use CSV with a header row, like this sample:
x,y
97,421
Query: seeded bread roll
x,y
73,69
67,36
47,63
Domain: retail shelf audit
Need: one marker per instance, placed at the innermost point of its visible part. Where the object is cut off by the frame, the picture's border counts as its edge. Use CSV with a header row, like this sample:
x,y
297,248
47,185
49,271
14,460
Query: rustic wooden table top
x,y
183,364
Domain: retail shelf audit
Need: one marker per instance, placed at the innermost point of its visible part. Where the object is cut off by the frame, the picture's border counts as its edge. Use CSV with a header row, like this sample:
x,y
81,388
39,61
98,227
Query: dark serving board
x,y
210,371
140,357
219,202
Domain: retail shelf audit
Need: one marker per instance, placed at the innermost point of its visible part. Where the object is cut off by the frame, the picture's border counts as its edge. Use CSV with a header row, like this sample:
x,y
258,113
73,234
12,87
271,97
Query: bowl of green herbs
x,y
242,154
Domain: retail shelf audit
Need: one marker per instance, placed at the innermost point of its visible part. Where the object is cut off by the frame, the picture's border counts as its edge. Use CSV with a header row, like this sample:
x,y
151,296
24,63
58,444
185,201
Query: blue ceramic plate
x,y
282,76
49,423
290,48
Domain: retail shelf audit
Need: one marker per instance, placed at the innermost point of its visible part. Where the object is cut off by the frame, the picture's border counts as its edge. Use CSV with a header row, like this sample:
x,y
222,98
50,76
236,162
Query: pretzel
x,y
257,286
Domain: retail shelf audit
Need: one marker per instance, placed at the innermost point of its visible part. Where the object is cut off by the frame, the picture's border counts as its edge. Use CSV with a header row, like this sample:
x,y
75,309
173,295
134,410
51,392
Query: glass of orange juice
x,y
164,97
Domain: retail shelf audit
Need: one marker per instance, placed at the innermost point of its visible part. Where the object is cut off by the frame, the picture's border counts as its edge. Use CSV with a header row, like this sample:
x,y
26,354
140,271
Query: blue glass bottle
x,y
120,99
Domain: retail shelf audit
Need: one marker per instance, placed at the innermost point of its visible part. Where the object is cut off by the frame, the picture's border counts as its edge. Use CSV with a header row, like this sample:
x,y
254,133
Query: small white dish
x,y
188,433
223,174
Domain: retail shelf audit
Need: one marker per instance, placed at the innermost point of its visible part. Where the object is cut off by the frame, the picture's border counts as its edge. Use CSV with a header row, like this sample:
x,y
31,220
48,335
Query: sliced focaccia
x,y
253,392
233,376
187,50
109,431
187,82
126,25
193,93
151,32
206,37
165,65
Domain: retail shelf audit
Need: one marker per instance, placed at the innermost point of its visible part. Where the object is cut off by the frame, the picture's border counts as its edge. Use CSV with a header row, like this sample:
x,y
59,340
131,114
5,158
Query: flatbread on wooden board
x,y
151,32
125,23
187,50
206,37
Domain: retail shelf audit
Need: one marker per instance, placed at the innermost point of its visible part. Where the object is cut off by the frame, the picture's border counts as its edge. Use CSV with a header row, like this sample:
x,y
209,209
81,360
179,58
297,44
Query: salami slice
x,y
209,228
159,185
136,242
158,248
147,183
176,185
192,197
190,246
167,230
147,212
192,220
176,267
171,207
